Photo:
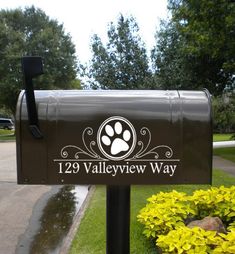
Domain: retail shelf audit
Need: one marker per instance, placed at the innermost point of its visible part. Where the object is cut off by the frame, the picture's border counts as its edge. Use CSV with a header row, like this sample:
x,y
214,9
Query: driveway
x,y
16,201
34,218
8,162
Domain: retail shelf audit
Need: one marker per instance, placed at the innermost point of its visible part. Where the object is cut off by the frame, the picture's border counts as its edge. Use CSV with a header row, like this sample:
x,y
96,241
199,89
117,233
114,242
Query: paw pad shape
x,y
116,138
118,144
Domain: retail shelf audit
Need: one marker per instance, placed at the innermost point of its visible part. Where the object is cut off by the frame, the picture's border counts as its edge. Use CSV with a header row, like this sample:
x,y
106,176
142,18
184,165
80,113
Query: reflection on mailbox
x,y
116,138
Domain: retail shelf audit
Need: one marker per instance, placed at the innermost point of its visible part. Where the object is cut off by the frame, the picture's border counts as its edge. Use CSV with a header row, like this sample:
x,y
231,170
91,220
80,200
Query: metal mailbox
x,y
115,137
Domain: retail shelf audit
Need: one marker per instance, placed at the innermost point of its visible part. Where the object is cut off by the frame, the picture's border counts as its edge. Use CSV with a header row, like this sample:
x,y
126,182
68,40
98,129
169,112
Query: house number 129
x,y
69,167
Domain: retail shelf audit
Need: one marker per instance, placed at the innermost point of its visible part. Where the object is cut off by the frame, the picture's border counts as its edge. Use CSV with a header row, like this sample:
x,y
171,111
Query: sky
x,y
82,19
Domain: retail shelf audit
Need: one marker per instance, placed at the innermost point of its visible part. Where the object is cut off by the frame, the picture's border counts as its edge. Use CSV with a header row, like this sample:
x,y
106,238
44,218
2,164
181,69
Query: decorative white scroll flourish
x,y
75,152
153,153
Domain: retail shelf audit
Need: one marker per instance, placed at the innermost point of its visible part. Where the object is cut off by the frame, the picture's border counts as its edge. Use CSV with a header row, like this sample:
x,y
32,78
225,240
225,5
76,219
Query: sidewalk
x,y
224,165
16,201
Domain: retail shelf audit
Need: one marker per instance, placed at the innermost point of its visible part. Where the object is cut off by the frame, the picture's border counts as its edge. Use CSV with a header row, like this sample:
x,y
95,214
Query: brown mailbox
x,y
115,137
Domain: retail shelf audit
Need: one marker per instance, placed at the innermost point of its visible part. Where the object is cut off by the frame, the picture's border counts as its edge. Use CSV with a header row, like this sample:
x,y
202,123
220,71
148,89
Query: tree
x,y
123,62
206,43
224,114
32,32
5,113
169,63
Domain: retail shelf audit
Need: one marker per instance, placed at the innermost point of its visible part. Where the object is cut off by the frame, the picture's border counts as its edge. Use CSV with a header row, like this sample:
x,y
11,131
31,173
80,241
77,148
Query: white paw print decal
x,y
119,144
116,138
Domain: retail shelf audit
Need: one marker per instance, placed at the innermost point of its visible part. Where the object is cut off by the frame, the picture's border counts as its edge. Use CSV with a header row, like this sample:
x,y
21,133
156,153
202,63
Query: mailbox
x,y
115,137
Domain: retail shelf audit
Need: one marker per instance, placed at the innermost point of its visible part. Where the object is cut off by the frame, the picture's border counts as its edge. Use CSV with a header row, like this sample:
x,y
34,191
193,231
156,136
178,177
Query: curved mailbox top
x,y
116,137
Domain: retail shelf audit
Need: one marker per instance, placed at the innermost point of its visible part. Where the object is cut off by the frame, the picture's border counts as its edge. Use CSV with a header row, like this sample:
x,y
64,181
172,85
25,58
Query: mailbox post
x,y
116,138
118,220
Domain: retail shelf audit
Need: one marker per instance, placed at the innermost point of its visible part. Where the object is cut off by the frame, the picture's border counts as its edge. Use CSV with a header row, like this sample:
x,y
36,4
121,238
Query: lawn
x,y
222,137
7,135
227,153
90,237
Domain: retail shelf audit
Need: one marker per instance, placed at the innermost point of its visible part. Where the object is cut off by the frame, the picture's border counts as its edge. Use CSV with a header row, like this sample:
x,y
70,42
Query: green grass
x,y
227,153
7,135
222,137
90,237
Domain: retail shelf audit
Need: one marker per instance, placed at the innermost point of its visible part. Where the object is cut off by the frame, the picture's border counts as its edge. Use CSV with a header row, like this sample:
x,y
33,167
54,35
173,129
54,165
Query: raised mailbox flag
x,y
116,137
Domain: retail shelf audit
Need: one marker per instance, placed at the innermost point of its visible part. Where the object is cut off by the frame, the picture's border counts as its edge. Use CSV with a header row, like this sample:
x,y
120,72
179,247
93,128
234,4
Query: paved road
x,y
16,201
221,163
226,165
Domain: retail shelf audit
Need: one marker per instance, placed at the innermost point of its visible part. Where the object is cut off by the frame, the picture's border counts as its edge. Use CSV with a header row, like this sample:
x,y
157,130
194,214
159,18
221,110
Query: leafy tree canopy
x,y
200,40
168,59
31,32
123,62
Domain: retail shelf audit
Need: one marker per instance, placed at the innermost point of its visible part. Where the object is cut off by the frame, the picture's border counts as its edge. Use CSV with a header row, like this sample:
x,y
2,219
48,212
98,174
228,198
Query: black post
x,y
118,220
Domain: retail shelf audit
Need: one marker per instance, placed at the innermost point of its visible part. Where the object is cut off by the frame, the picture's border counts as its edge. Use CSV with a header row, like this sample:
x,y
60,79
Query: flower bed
x,y
166,215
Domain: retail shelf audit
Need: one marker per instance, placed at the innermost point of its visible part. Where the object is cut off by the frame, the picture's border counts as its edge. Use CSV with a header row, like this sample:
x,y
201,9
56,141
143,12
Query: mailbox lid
x,y
179,121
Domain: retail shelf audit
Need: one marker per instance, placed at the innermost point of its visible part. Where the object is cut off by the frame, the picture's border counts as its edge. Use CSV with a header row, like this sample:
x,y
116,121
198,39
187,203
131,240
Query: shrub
x,y
164,212
215,202
165,215
196,240
231,226
162,197
227,246
188,240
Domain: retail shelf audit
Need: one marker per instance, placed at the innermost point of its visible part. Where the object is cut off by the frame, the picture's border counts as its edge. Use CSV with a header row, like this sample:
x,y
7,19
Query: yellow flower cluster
x,y
165,214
